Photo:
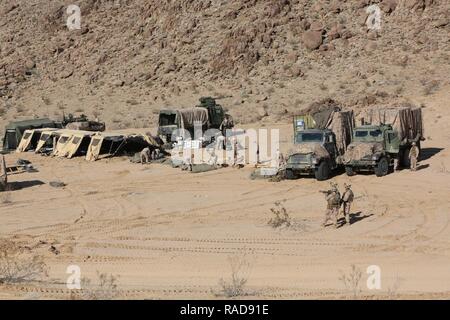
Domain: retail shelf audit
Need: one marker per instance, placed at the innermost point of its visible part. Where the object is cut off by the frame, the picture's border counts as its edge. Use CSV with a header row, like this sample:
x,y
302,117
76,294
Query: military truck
x,y
209,113
319,146
82,122
376,147
316,154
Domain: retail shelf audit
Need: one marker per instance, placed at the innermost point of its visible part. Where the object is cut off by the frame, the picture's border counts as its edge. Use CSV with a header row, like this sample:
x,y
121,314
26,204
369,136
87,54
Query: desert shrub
x,y
281,217
5,198
234,286
352,280
17,266
104,289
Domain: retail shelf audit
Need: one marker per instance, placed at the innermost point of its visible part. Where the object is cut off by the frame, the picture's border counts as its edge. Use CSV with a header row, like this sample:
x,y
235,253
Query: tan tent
x,y
46,136
31,138
69,142
94,148
3,174
107,144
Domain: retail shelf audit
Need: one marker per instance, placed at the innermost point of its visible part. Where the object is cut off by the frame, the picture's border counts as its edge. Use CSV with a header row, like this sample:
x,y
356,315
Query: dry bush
x,y
323,87
430,87
443,168
281,218
17,266
5,198
104,289
235,285
352,280
393,289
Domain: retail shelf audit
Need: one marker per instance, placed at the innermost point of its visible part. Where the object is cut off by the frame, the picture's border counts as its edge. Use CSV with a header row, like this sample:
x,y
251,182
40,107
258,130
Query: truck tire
x,y
323,171
290,175
349,171
382,167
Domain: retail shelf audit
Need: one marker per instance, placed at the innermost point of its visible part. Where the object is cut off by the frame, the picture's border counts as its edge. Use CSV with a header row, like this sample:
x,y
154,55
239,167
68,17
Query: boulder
x,y
312,39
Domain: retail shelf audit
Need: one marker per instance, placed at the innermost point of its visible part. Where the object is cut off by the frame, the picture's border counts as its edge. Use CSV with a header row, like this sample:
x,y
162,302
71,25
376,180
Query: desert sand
x,y
171,234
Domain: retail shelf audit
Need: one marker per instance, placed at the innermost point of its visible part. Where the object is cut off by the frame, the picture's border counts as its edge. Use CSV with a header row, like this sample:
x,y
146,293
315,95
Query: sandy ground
x,y
170,234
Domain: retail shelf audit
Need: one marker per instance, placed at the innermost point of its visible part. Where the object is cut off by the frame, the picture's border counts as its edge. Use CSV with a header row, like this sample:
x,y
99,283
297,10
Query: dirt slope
x,y
131,58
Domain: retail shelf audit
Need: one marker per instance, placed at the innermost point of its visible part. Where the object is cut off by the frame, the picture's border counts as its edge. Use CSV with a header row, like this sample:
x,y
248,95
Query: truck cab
x,y
167,123
314,153
373,148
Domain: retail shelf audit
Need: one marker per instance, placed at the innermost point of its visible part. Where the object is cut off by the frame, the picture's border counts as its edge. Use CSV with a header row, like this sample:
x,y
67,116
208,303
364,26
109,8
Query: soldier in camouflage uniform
x,y
145,155
333,198
413,155
347,200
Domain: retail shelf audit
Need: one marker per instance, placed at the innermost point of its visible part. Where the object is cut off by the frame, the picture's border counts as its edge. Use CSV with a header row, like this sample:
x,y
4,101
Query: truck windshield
x,y
167,119
308,137
368,135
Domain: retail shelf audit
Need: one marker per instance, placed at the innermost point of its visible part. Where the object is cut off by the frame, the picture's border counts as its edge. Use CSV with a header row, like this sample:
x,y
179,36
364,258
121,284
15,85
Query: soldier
x,y
347,200
226,124
3,174
413,155
333,198
145,155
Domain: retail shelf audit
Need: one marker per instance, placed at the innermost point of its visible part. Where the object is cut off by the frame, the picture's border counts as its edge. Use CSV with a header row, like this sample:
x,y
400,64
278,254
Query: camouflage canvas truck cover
x,y
320,141
385,137
209,113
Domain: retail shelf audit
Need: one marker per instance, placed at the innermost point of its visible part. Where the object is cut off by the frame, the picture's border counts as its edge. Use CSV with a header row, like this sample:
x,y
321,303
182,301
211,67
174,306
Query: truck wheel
x,y
382,167
349,171
323,171
290,175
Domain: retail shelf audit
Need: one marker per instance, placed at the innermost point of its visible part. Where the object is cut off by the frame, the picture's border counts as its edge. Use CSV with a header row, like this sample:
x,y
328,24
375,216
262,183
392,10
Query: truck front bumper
x,y
362,164
301,168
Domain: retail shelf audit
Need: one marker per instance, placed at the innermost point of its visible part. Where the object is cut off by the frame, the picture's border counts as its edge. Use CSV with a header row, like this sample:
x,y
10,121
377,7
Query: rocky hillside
x,y
269,58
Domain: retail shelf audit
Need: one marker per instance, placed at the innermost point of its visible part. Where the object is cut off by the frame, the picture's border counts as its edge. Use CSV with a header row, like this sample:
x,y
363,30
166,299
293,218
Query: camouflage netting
x,y
311,147
405,118
322,111
359,150
342,124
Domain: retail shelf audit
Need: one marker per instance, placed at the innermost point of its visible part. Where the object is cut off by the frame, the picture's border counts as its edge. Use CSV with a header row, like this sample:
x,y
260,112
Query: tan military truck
x,y
320,141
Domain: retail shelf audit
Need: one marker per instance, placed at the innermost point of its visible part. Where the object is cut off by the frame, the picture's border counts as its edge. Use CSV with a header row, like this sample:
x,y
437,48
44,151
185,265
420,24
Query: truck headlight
x,y
314,160
375,157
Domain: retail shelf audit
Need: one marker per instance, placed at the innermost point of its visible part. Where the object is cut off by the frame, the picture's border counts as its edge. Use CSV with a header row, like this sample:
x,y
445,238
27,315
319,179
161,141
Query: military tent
x,y
31,138
14,130
107,144
72,142
3,174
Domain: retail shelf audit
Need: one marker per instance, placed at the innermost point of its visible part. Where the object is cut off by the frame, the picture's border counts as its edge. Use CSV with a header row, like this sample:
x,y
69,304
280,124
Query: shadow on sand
x,y
17,185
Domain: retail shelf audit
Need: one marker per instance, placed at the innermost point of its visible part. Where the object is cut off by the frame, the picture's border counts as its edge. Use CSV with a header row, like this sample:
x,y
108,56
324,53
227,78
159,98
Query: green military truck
x,y
376,147
209,113
319,144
